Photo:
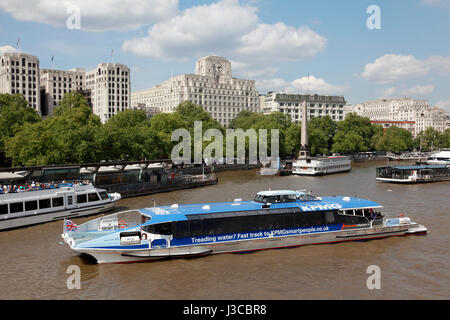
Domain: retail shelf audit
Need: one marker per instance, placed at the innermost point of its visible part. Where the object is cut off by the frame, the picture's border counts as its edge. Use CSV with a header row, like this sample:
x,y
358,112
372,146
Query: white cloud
x,y
98,15
7,48
311,84
252,70
281,42
195,32
393,67
440,64
226,28
388,92
419,90
444,104
307,85
275,84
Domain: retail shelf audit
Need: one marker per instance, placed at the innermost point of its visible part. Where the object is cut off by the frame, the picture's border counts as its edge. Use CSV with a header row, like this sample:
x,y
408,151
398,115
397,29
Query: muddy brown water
x,y
34,262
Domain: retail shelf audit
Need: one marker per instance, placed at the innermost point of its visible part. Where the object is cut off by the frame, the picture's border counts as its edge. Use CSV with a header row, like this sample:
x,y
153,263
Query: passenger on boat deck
x,y
34,186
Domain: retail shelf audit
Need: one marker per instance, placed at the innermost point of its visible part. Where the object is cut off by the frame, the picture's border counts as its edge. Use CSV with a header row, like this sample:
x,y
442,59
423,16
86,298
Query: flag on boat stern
x,y
70,226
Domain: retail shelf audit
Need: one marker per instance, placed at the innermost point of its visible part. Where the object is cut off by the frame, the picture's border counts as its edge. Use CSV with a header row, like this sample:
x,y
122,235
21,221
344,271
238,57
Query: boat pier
x,y
129,178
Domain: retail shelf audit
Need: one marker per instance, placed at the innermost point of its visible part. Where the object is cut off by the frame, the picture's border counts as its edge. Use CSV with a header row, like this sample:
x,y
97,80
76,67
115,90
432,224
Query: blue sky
x,y
277,43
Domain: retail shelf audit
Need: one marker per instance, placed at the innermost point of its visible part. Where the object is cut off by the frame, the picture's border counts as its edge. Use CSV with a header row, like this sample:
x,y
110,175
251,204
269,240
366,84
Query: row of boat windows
x,y
32,205
283,198
251,223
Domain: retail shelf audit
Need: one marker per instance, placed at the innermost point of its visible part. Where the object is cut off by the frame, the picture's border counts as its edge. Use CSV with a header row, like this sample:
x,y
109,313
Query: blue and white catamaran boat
x,y
274,219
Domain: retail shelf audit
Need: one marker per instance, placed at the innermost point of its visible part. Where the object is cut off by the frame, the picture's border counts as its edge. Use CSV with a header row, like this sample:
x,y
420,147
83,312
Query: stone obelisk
x,y
304,150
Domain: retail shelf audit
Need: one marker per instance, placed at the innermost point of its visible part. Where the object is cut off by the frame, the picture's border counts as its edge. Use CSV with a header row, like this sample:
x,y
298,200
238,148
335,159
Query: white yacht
x,y
442,157
33,207
321,165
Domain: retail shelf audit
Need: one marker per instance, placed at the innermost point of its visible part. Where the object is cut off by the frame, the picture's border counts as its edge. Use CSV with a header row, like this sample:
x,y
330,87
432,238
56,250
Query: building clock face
x,y
218,68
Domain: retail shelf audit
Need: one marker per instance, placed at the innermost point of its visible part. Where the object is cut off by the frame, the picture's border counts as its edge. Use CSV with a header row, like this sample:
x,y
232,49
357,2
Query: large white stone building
x,y
212,86
109,89
411,114
19,74
56,83
317,105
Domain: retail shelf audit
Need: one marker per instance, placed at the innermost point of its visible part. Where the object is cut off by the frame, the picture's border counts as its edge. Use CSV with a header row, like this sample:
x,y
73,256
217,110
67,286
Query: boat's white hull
x,y
307,172
123,256
438,162
15,222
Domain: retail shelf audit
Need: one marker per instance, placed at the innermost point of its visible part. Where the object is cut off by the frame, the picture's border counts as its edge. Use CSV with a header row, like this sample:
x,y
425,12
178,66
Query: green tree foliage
x,y
446,139
431,139
354,134
161,126
394,139
70,136
75,135
348,142
293,139
321,131
128,136
14,113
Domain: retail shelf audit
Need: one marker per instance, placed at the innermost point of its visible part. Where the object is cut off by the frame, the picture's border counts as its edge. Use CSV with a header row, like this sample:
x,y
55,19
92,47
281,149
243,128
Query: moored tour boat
x,y
442,157
321,165
32,207
274,219
414,174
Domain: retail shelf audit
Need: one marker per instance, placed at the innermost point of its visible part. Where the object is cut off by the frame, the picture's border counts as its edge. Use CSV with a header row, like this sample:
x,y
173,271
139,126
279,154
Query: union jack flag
x,y
70,226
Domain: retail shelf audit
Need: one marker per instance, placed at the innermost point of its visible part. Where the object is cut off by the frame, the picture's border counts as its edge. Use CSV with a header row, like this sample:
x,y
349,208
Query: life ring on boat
x,y
144,236
122,224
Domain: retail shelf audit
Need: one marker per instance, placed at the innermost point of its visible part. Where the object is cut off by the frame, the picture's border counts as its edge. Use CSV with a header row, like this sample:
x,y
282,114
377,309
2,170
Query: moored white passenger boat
x,y
33,207
274,219
321,165
442,157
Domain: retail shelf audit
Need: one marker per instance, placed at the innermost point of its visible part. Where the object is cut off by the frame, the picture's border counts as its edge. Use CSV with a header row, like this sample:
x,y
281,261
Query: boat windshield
x,y
275,198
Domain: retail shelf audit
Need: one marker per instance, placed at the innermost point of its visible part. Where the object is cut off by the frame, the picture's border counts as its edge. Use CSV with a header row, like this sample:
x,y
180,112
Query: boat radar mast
x,y
304,149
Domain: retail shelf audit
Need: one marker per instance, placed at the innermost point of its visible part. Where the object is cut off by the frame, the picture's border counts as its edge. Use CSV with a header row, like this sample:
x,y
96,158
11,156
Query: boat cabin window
x,y
160,228
275,199
44,203
103,195
307,197
69,200
31,205
93,197
81,198
359,212
3,209
346,212
16,207
329,217
58,202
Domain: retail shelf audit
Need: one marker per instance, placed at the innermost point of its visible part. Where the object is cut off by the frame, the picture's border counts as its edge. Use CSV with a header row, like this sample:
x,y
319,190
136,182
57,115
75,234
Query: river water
x,y
34,262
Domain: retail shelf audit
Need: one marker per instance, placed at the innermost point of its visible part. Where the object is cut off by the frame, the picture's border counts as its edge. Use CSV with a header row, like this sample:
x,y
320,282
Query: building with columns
x,y
109,89
211,86
411,114
317,105
19,74
55,83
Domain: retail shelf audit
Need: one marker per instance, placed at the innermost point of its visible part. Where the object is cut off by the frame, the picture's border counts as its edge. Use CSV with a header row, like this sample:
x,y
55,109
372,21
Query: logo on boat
x,y
316,207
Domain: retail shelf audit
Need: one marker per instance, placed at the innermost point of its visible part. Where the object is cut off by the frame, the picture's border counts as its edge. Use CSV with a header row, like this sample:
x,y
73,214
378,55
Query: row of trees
x,y
75,135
